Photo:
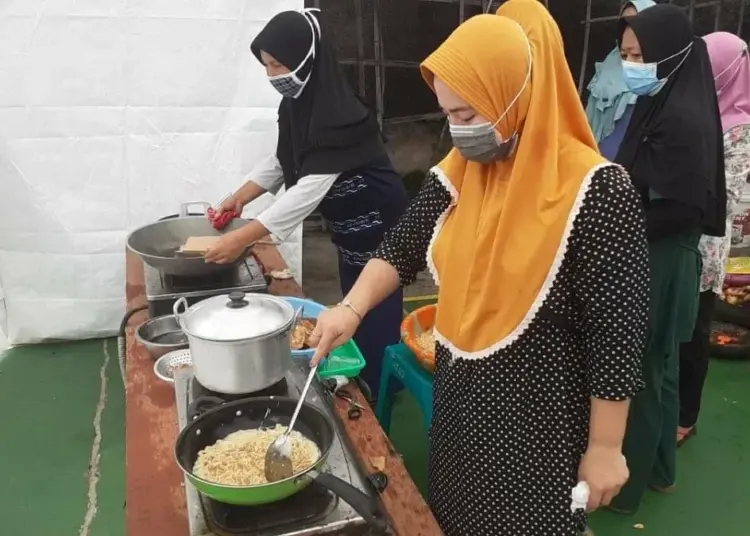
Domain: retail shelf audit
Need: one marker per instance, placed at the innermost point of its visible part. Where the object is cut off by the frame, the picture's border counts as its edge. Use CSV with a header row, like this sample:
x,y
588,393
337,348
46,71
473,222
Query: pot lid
x,y
236,317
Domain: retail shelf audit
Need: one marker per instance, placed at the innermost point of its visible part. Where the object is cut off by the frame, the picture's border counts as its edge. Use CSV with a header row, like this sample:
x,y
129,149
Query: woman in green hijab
x,y
610,102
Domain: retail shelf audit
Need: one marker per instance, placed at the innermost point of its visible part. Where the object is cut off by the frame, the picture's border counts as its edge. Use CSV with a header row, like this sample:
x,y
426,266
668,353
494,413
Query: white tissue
x,y
579,496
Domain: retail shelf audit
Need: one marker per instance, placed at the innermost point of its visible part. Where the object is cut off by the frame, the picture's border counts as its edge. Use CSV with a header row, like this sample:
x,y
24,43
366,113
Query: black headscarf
x,y
673,144
327,129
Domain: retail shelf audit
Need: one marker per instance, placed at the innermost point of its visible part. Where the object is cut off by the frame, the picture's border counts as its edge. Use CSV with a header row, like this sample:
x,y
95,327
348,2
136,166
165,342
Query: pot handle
x,y
185,207
365,506
181,302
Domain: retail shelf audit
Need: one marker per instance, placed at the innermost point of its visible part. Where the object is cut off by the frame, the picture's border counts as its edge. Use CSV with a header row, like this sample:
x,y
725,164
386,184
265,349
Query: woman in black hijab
x,y
330,154
673,152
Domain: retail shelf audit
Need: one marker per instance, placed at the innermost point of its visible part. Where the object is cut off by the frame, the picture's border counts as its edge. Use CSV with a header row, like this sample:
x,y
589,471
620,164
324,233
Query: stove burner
x,y
311,504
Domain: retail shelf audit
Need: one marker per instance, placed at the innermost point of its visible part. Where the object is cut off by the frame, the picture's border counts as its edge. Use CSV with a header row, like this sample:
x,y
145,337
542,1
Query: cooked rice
x,y
426,341
239,459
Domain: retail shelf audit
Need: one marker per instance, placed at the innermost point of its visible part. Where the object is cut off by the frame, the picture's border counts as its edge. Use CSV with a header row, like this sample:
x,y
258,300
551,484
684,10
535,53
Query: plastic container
x,y
312,310
345,360
417,322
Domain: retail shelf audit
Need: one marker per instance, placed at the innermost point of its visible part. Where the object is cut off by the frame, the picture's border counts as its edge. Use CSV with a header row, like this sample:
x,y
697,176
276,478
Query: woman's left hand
x,y
228,249
605,470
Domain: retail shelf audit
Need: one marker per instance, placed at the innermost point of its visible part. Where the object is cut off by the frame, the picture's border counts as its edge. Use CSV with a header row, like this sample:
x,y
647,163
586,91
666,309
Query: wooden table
x,y
154,484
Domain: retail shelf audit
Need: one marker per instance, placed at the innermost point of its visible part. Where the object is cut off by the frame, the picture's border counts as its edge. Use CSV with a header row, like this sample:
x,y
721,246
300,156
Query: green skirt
x,y
675,264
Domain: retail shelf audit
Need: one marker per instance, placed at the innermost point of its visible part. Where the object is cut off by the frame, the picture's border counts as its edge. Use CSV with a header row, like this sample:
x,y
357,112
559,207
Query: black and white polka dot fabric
x,y
508,431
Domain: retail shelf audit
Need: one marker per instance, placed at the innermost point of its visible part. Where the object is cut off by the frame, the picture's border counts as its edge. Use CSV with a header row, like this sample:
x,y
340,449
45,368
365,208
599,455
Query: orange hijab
x,y
497,249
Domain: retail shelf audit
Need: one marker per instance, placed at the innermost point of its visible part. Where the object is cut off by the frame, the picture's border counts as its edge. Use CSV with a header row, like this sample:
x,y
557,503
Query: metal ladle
x,y
279,453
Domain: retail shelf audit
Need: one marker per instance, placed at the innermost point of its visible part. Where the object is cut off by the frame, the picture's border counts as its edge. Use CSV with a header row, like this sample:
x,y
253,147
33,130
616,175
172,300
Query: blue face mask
x,y
642,78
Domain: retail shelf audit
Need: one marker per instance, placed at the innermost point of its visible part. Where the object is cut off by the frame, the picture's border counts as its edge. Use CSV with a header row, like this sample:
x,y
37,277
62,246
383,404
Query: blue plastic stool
x,y
400,365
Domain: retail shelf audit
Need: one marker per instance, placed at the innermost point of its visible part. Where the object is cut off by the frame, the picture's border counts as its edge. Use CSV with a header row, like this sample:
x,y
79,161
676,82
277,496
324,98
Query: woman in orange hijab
x,y
538,247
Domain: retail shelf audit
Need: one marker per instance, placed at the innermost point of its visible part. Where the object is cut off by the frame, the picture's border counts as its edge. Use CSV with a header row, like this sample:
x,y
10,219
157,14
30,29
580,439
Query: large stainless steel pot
x,y
239,343
159,243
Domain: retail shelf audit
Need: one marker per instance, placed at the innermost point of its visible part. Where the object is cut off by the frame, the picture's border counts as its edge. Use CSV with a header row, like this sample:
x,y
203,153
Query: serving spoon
x,y
279,454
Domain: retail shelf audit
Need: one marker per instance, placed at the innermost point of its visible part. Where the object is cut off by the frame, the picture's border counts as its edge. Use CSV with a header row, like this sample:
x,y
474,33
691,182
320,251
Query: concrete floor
x,y
320,270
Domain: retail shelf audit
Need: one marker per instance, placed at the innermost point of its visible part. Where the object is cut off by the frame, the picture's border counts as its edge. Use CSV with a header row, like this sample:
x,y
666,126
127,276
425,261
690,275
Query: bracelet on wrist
x,y
348,304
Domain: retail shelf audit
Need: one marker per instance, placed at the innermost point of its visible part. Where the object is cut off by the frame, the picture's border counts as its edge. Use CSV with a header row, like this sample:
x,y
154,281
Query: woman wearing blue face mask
x,y
330,154
673,151
610,103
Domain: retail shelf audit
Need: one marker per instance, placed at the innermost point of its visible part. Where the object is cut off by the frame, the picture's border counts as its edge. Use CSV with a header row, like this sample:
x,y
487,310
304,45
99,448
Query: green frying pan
x,y
214,419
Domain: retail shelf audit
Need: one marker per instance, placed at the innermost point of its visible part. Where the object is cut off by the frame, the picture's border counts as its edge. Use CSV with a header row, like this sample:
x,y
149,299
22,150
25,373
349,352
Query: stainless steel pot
x,y
239,343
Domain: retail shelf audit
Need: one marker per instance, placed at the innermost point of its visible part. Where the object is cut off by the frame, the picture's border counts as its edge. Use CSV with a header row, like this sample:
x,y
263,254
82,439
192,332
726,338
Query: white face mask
x,y
742,55
479,143
289,84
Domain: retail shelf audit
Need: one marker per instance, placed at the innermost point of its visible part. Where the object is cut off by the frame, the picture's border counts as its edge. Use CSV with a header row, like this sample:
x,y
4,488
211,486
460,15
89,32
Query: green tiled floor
x,y
48,398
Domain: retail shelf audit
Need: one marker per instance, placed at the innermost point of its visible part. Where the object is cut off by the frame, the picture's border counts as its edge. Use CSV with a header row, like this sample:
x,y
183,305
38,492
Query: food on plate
x,y
724,337
239,459
426,341
724,340
301,334
736,295
198,245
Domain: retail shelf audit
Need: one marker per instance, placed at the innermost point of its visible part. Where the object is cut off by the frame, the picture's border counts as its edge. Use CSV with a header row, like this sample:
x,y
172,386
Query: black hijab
x,y
674,141
327,129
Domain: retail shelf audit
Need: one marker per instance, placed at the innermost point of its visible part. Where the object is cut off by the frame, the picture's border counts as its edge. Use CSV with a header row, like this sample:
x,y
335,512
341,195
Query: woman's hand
x,y
227,250
334,327
230,204
605,470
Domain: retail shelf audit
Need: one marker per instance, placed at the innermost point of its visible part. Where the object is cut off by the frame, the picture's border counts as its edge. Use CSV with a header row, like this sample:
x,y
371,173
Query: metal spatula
x,y
279,453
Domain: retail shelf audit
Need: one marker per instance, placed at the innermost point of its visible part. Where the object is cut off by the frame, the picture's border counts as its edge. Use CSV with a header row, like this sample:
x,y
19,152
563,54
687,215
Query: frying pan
x,y
158,243
217,419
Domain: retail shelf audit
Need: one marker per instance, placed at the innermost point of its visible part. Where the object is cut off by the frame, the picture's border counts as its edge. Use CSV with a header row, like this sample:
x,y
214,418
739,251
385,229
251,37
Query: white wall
x,y
112,113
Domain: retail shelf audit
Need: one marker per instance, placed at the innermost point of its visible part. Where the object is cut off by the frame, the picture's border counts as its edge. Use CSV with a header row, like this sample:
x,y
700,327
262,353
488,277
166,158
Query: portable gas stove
x,y
312,511
163,290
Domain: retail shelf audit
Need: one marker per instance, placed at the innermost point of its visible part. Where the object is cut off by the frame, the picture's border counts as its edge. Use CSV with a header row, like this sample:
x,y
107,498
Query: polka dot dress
x,y
508,431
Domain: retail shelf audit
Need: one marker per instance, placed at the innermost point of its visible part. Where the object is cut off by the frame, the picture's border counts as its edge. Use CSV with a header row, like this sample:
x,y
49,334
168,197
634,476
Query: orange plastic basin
x,y
417,322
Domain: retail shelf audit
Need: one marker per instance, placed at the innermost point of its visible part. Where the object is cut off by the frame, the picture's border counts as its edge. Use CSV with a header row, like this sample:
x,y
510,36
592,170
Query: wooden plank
x,y
154,487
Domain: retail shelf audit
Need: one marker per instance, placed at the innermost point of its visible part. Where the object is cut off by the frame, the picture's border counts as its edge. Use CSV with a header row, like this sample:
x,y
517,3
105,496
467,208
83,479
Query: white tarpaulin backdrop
x,y
112,113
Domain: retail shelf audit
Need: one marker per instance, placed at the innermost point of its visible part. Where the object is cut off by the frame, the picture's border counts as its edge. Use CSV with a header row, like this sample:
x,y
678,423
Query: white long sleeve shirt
x,y
294,205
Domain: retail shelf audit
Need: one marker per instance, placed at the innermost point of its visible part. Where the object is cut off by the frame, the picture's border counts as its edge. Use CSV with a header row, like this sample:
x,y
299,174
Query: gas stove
x,y
163,290
312,511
